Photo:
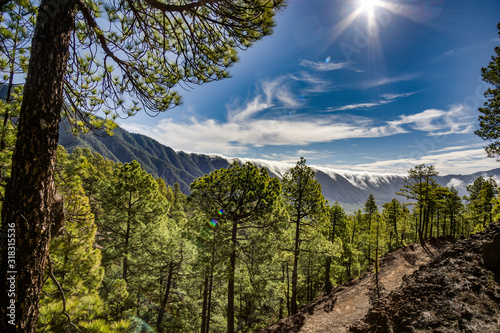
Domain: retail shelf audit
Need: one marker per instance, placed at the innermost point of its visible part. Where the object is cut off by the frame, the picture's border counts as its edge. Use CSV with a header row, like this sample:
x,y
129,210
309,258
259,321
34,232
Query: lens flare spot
x,y
214,222
221,211
328,59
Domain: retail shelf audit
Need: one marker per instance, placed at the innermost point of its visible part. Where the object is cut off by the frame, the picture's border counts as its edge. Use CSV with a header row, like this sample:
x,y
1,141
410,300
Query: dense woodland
x,y
114,249
241,251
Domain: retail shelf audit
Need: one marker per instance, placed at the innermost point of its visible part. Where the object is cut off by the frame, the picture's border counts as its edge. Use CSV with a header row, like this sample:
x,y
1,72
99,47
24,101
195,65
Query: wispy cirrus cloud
x,y
324,65
391,96
275,93
387,98
464,147
354,106
388,80
312,83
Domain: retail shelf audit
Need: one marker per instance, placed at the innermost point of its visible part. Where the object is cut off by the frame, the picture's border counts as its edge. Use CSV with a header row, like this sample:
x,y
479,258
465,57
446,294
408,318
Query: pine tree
x,y
237,198
490,113
370,209
420,185
70,301
393,213
306,206
338,228
130,201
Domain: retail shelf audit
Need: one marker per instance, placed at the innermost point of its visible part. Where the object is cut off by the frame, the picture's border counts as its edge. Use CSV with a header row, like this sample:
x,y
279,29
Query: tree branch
x,y
178,8
87,15
3,3
63,312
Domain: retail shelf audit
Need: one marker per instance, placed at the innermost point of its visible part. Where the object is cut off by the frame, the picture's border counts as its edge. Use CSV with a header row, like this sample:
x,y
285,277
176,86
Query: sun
x,y
368,6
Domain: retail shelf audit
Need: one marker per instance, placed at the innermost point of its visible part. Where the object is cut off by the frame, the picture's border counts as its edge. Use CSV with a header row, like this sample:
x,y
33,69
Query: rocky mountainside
x,y
350,302
457,291
350,189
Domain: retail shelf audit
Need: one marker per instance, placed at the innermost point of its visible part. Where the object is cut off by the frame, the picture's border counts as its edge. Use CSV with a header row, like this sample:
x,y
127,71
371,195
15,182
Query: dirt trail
x,y
350,303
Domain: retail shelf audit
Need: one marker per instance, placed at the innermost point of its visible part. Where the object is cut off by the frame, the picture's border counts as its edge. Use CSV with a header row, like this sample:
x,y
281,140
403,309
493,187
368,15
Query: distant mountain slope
x,y
157,159
350,189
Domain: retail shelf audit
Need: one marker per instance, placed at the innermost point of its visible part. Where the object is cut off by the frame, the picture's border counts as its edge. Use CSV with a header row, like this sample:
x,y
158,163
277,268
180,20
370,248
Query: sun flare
x,y
368,6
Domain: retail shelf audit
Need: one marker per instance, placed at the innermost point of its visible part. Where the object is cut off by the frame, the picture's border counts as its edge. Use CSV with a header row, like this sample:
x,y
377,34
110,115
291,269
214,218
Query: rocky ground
x,y
350,302
457,291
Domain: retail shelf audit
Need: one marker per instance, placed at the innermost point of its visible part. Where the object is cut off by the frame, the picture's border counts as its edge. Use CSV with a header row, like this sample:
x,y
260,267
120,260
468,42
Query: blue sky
x,y
377,87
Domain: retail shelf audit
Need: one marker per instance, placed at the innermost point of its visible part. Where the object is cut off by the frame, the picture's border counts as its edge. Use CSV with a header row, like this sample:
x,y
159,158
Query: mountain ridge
x,y
349,188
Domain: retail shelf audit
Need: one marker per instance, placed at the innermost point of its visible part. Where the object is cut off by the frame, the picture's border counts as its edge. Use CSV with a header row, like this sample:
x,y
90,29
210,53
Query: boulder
x,y
491,256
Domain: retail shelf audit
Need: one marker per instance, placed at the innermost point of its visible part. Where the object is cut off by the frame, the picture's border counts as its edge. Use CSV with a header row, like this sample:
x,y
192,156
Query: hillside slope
x,y
455,292
350,302
155,158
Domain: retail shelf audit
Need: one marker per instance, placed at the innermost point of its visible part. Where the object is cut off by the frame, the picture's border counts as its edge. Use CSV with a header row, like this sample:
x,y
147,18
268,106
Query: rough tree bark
x,y
230,285
31,211
294,308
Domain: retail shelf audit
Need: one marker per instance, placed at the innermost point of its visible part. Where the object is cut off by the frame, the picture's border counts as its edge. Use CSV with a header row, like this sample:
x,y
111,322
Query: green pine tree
x,y
238,198
306,207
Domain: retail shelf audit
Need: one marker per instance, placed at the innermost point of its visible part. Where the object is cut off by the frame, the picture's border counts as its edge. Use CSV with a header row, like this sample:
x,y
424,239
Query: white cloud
x,y
396,96
389,80
251,108
388,98
353,107
244,131
232,137
274,93
323,65
314,84
474,145
457,120
455,182
455,162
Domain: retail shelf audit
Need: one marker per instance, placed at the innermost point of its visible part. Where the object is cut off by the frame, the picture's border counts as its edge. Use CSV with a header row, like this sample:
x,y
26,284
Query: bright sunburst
x,y
368,6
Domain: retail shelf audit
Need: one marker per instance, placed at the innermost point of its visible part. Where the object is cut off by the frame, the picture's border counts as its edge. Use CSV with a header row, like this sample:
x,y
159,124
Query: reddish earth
x,y
350,302
457,290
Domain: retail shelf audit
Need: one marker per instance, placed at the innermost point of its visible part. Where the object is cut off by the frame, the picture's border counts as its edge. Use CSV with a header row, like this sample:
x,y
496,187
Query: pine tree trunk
x,y
30,210
281,299
164,301
369,244
296,251
328,283
230,285
377,282
205,301
210,287
288,308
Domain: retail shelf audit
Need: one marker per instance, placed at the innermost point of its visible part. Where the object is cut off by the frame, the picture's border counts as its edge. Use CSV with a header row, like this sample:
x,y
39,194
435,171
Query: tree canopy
x,y
88,56
489,120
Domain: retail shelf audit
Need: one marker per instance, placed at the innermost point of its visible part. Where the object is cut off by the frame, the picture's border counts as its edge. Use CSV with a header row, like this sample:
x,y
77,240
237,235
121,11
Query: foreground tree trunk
x,y
30,211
